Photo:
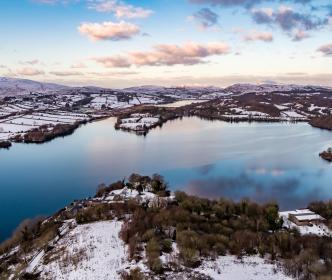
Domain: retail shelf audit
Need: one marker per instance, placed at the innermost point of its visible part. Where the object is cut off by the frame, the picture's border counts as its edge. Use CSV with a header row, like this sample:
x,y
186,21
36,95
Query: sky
x,y
123,43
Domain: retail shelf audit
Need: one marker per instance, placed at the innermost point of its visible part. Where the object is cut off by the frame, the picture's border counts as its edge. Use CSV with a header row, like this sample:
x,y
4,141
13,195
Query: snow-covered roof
x,y
305,215
309,217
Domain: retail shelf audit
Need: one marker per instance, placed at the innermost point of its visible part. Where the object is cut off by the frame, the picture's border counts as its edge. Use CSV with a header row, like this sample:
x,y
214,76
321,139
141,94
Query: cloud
x,y
293,23
30,62
52,2
243,3
109,30
300,35
189,53
46,1
287,19
205,18
326,49
114,73
78,65
254,35
263,15
28,71
227,3
259,36
119,8
66,73
114,61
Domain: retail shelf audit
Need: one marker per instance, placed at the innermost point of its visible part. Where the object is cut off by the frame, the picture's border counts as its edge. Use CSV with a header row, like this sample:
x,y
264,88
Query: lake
x,y
261,161
181,103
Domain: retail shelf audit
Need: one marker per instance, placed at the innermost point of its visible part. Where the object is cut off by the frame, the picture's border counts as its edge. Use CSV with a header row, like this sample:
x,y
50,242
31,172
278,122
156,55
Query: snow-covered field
x,y
247,268
181,103
25,122
101,101
12,127
281,107
91,251
292,114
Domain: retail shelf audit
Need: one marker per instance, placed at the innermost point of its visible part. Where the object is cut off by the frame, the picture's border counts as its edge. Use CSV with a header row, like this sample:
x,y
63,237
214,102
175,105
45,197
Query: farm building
x,y
304,217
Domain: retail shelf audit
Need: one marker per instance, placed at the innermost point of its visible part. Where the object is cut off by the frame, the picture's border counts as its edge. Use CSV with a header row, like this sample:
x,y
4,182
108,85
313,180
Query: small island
x,y
139,123
327,155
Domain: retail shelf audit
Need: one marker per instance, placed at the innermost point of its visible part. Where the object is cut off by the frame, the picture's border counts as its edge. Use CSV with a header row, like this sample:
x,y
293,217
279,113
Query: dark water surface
x,y
260,161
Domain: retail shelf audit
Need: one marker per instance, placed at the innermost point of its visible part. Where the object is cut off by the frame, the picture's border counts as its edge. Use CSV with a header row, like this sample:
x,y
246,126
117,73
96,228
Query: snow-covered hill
x,y
178,92
13,86
95,251
275,88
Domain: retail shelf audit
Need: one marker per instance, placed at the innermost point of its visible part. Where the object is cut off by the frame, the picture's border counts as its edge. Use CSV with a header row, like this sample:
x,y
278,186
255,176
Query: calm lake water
x,y
261,161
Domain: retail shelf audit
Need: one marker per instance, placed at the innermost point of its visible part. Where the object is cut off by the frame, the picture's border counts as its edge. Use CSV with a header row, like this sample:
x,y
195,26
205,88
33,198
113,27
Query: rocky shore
x,y
327,155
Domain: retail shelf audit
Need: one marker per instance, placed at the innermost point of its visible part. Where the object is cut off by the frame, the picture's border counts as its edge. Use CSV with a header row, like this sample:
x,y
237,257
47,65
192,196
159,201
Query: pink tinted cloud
x,y
109,30
326,49
189,53
29,71
114,61
259,36
66,73
299,35
78,65
119,8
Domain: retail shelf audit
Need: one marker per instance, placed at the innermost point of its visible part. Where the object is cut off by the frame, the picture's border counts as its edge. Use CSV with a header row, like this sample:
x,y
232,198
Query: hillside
x,y
139,230
13,86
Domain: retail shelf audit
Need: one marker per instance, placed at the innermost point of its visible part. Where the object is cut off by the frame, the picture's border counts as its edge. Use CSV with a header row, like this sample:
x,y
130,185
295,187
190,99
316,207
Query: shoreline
x,y
169,113
44,136
166,114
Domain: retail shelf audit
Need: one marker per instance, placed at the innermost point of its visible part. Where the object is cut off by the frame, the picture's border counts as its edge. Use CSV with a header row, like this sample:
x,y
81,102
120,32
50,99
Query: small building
x,y
305,217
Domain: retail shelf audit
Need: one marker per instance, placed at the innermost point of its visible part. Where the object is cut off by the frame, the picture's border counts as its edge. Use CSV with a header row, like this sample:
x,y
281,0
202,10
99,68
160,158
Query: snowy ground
x,y
126,194
292,114
137,122
23,123
92,251
111,101
181,103
249,268
95,251
11,127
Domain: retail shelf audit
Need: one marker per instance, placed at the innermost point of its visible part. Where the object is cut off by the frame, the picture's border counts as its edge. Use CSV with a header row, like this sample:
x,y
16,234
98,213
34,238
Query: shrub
x,y
189,257
166,245
153,255
134,274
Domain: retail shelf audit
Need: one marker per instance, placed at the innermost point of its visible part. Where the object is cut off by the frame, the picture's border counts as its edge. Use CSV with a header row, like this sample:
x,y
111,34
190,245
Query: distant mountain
x,y
275,88
182,92
13,86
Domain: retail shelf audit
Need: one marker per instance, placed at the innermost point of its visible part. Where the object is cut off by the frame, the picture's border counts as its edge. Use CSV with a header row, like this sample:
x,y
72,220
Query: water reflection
x,y
260,161
289,192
